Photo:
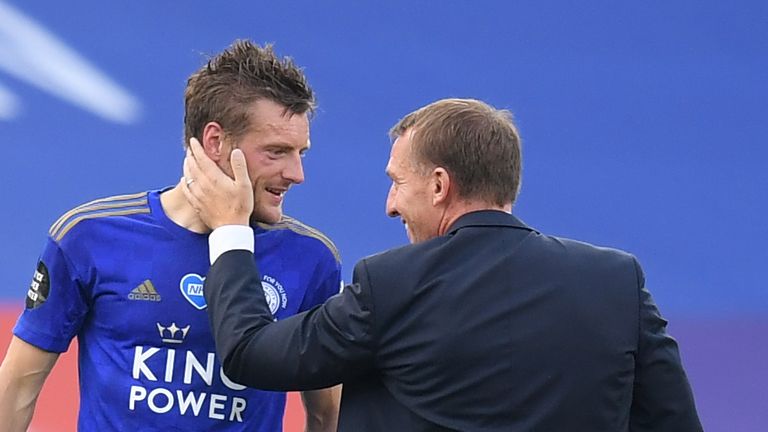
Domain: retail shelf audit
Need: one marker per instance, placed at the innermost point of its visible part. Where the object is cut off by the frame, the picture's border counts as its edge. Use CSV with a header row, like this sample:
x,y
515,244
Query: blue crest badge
x,y
192,289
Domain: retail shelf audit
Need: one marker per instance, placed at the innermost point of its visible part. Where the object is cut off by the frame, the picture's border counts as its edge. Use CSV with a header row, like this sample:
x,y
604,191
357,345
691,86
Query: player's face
x,y
409,197
273,147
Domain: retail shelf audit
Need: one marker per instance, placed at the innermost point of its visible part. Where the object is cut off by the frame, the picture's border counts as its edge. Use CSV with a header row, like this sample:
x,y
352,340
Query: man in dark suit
x,y
481,324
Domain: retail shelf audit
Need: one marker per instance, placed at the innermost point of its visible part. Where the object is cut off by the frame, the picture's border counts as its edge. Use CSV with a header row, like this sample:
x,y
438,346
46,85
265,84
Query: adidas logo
x,y
145,291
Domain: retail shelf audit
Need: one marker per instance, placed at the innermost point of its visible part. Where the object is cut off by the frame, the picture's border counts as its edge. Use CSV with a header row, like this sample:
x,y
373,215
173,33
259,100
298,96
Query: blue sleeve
x,y
327,283
56,303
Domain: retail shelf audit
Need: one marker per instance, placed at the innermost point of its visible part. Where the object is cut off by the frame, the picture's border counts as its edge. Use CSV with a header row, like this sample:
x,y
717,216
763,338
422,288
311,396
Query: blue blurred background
x,y
643,127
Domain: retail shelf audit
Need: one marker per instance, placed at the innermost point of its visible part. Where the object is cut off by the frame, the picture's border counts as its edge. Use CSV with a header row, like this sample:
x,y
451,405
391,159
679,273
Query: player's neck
x,y
180,211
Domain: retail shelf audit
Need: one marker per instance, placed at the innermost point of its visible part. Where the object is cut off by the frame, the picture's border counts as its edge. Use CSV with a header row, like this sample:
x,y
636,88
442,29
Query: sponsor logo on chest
x,y
169,379
145,291
275,293
191,286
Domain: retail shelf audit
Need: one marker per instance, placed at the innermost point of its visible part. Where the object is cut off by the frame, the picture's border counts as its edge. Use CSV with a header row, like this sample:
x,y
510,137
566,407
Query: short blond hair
x,y
476,143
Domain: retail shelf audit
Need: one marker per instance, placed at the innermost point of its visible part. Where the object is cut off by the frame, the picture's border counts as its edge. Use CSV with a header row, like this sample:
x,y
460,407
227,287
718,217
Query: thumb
x,y
239,168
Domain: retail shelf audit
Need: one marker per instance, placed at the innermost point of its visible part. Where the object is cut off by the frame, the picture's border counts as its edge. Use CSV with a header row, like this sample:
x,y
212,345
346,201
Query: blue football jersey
x,y
128,282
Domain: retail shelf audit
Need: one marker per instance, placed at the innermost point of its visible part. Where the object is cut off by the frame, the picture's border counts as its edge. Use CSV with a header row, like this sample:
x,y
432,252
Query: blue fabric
x,y
127,281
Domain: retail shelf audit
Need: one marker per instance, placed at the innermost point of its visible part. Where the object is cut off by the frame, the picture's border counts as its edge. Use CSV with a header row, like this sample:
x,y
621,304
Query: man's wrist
x,y
229,237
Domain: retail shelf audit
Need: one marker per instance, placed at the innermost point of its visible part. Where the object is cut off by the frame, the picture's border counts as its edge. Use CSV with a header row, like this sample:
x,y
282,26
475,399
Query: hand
x,y
218,199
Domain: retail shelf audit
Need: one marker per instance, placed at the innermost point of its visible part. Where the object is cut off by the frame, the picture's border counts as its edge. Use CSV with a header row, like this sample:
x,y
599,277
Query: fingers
x,y
191,198
200,169
216,197
190,167
195,147
203,161
195,181
187,167
239,167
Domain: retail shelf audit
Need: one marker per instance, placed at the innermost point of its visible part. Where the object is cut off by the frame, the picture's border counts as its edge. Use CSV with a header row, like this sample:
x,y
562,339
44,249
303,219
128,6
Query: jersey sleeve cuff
x,y
229,237
45,342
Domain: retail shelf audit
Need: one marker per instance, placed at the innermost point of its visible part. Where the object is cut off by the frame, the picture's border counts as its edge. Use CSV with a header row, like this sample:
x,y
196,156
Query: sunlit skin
x,y
273,148
426,199
411,195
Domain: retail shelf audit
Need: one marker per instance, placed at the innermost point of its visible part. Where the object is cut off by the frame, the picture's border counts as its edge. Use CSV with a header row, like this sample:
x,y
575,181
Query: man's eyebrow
x,y
284,146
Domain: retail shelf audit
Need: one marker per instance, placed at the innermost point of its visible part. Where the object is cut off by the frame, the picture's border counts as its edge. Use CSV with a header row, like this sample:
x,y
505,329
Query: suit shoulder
x,y
406,255
102,208
587,255
301,229
579,246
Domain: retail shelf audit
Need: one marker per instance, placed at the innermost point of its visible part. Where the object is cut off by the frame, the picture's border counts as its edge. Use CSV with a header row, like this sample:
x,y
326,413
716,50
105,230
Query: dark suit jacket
x,y
491,327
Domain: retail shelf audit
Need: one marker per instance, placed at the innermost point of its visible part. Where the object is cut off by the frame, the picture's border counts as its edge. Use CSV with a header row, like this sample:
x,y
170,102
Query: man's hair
x,y
476,143
225,88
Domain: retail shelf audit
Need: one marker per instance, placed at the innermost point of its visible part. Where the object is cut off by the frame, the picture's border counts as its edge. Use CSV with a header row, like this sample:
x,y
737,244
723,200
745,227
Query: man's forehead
x,y
401,146
269,126
269,115
294,131
399,157
276,118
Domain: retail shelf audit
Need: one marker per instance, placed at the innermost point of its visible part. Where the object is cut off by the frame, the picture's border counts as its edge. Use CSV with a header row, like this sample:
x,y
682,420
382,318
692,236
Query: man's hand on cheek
x,y
218,199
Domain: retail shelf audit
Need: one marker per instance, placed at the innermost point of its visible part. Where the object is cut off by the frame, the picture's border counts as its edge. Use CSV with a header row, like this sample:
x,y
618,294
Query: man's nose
x,y
295,170
390,206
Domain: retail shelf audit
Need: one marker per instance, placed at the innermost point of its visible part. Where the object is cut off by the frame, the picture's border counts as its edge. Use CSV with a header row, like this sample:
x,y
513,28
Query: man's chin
x,y
267,216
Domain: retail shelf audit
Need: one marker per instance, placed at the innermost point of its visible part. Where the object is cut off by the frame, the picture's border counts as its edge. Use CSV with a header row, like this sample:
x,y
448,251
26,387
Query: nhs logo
x,y
191,286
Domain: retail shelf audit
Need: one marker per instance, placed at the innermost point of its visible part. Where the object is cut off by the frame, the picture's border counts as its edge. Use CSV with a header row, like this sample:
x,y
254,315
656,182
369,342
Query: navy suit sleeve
x,y
315,349
662,398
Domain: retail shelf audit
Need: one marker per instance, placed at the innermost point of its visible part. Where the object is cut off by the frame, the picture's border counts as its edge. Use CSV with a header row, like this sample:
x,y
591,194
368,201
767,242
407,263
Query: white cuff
x,y
229,237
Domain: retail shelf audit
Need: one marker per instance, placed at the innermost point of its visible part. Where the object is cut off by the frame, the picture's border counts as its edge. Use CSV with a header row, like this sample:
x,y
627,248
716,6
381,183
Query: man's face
x,y
409,196
273,147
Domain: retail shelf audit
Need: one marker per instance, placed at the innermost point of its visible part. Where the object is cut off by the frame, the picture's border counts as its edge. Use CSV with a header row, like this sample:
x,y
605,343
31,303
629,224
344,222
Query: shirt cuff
x,y
227,238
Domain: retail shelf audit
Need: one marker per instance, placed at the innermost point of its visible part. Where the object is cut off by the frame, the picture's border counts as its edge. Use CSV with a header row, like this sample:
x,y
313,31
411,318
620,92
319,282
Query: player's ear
x,y
213,142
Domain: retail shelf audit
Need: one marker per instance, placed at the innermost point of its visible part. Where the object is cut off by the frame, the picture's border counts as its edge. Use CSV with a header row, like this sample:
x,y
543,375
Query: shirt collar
x,y
488,218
